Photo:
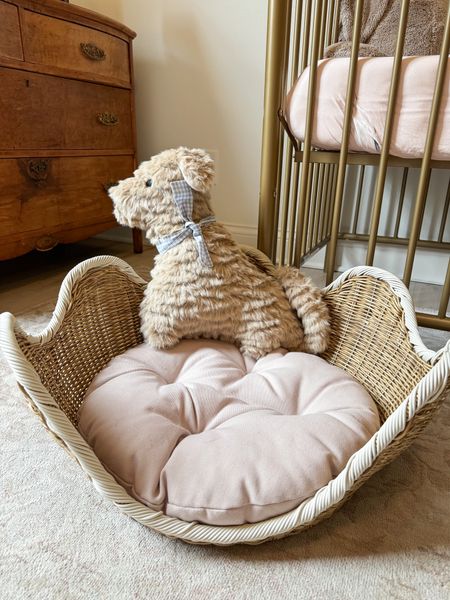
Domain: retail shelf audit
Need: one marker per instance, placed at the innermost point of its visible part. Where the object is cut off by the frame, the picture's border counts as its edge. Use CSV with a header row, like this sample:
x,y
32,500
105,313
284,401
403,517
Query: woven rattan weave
x,y
374,338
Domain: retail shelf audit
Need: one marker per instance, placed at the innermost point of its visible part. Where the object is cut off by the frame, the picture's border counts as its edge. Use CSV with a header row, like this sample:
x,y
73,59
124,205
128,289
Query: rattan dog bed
x,y
375,339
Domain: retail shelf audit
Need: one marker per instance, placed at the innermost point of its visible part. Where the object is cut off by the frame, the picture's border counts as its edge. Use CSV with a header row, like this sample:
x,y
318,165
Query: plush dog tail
x,y
307,301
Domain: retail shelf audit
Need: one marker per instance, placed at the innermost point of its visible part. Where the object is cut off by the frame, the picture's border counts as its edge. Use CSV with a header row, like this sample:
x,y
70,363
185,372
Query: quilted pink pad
x,y
204,434
373,79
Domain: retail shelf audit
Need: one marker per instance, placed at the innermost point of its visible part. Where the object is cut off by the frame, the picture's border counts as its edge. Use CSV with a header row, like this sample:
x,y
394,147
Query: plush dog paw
x,y
255,348
159,340
307,301
252,352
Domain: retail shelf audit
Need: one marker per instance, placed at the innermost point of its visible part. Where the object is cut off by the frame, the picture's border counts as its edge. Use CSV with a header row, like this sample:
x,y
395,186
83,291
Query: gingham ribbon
x,y
184,200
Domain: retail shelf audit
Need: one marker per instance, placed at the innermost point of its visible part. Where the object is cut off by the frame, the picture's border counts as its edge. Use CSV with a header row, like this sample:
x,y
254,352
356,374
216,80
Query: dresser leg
x,y
137,241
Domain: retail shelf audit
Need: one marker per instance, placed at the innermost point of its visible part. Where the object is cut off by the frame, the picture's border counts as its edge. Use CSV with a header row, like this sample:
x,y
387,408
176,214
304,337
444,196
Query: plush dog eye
x,y
148,183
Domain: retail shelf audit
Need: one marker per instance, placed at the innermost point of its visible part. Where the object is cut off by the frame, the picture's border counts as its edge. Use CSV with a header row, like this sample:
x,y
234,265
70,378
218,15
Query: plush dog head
x,y
146,200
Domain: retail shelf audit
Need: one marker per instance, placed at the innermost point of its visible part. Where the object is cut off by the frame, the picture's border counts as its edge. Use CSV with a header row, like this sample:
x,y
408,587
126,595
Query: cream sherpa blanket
x,y
380,21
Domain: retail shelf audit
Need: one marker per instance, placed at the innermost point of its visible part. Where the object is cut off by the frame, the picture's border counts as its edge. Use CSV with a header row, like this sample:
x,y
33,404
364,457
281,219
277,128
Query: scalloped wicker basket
x,y
375,339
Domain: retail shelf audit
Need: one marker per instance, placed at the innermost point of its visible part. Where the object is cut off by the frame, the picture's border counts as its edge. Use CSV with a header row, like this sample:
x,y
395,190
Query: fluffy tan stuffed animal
x,y
380,19
203,284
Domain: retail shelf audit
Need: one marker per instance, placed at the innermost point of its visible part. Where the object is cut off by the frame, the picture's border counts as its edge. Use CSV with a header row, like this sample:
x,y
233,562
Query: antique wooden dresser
x,y
66,123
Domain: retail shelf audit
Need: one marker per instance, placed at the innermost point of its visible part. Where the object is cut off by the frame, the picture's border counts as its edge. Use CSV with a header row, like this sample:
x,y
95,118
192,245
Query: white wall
x,y
199,70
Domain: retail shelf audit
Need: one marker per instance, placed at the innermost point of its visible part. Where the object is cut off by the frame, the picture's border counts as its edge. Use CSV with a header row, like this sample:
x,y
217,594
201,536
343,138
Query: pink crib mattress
x,y
415,93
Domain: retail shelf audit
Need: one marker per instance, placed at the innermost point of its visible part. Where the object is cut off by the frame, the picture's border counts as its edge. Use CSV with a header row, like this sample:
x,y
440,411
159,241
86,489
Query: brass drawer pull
x,y
92,51
37,169
45,243
107,119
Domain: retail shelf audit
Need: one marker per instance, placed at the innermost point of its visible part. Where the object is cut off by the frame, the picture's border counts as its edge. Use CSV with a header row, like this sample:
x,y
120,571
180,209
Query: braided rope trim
x,y
426,391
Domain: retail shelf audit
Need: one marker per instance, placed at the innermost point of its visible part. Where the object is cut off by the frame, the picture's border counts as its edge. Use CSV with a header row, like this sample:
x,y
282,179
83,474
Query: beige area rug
x,y
60,539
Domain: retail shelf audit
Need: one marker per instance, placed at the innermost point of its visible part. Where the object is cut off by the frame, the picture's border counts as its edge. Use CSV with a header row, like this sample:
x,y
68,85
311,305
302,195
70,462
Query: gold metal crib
x,y
302,192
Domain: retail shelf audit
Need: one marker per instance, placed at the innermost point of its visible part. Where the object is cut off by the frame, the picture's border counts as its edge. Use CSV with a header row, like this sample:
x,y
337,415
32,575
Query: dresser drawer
x,y
57,43
46,112
10,43
39,197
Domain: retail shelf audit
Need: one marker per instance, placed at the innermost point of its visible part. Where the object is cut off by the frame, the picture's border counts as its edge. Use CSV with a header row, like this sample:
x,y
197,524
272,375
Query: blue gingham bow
x,y
184,200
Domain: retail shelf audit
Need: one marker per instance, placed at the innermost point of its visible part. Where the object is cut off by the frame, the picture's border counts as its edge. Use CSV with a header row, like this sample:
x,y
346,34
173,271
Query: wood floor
x,y
33,280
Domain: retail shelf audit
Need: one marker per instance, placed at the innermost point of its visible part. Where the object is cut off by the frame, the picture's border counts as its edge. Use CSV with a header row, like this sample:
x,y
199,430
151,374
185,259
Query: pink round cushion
x,y
205,434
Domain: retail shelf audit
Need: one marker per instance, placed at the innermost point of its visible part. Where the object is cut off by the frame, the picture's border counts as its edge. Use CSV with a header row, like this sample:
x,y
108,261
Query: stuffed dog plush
x,y
202,283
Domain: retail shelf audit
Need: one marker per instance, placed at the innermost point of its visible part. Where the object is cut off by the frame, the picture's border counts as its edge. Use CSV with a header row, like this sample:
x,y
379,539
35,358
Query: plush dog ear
x,y
197,168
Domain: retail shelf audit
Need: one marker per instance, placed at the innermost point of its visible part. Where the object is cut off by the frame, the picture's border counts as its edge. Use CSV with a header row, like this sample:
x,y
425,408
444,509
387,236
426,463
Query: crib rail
x,y
305,192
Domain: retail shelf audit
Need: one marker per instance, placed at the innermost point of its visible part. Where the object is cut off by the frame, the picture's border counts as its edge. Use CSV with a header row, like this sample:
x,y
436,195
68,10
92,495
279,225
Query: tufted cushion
x,y
204,434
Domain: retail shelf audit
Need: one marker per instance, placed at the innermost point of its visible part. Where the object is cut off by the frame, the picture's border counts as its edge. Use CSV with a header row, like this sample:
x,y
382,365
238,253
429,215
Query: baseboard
x,y
430,265
243,234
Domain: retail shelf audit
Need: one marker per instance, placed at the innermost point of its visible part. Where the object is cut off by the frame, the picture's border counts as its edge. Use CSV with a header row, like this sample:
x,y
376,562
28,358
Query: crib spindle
x,y
318,211
326,185
332,246
310,209
335,27
322,30
381,178
362,170
277,34
424,178
308,131
401,200
287,162
305,44
307,207
445,294
306,35
332,193
444,215
329,24
292,213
